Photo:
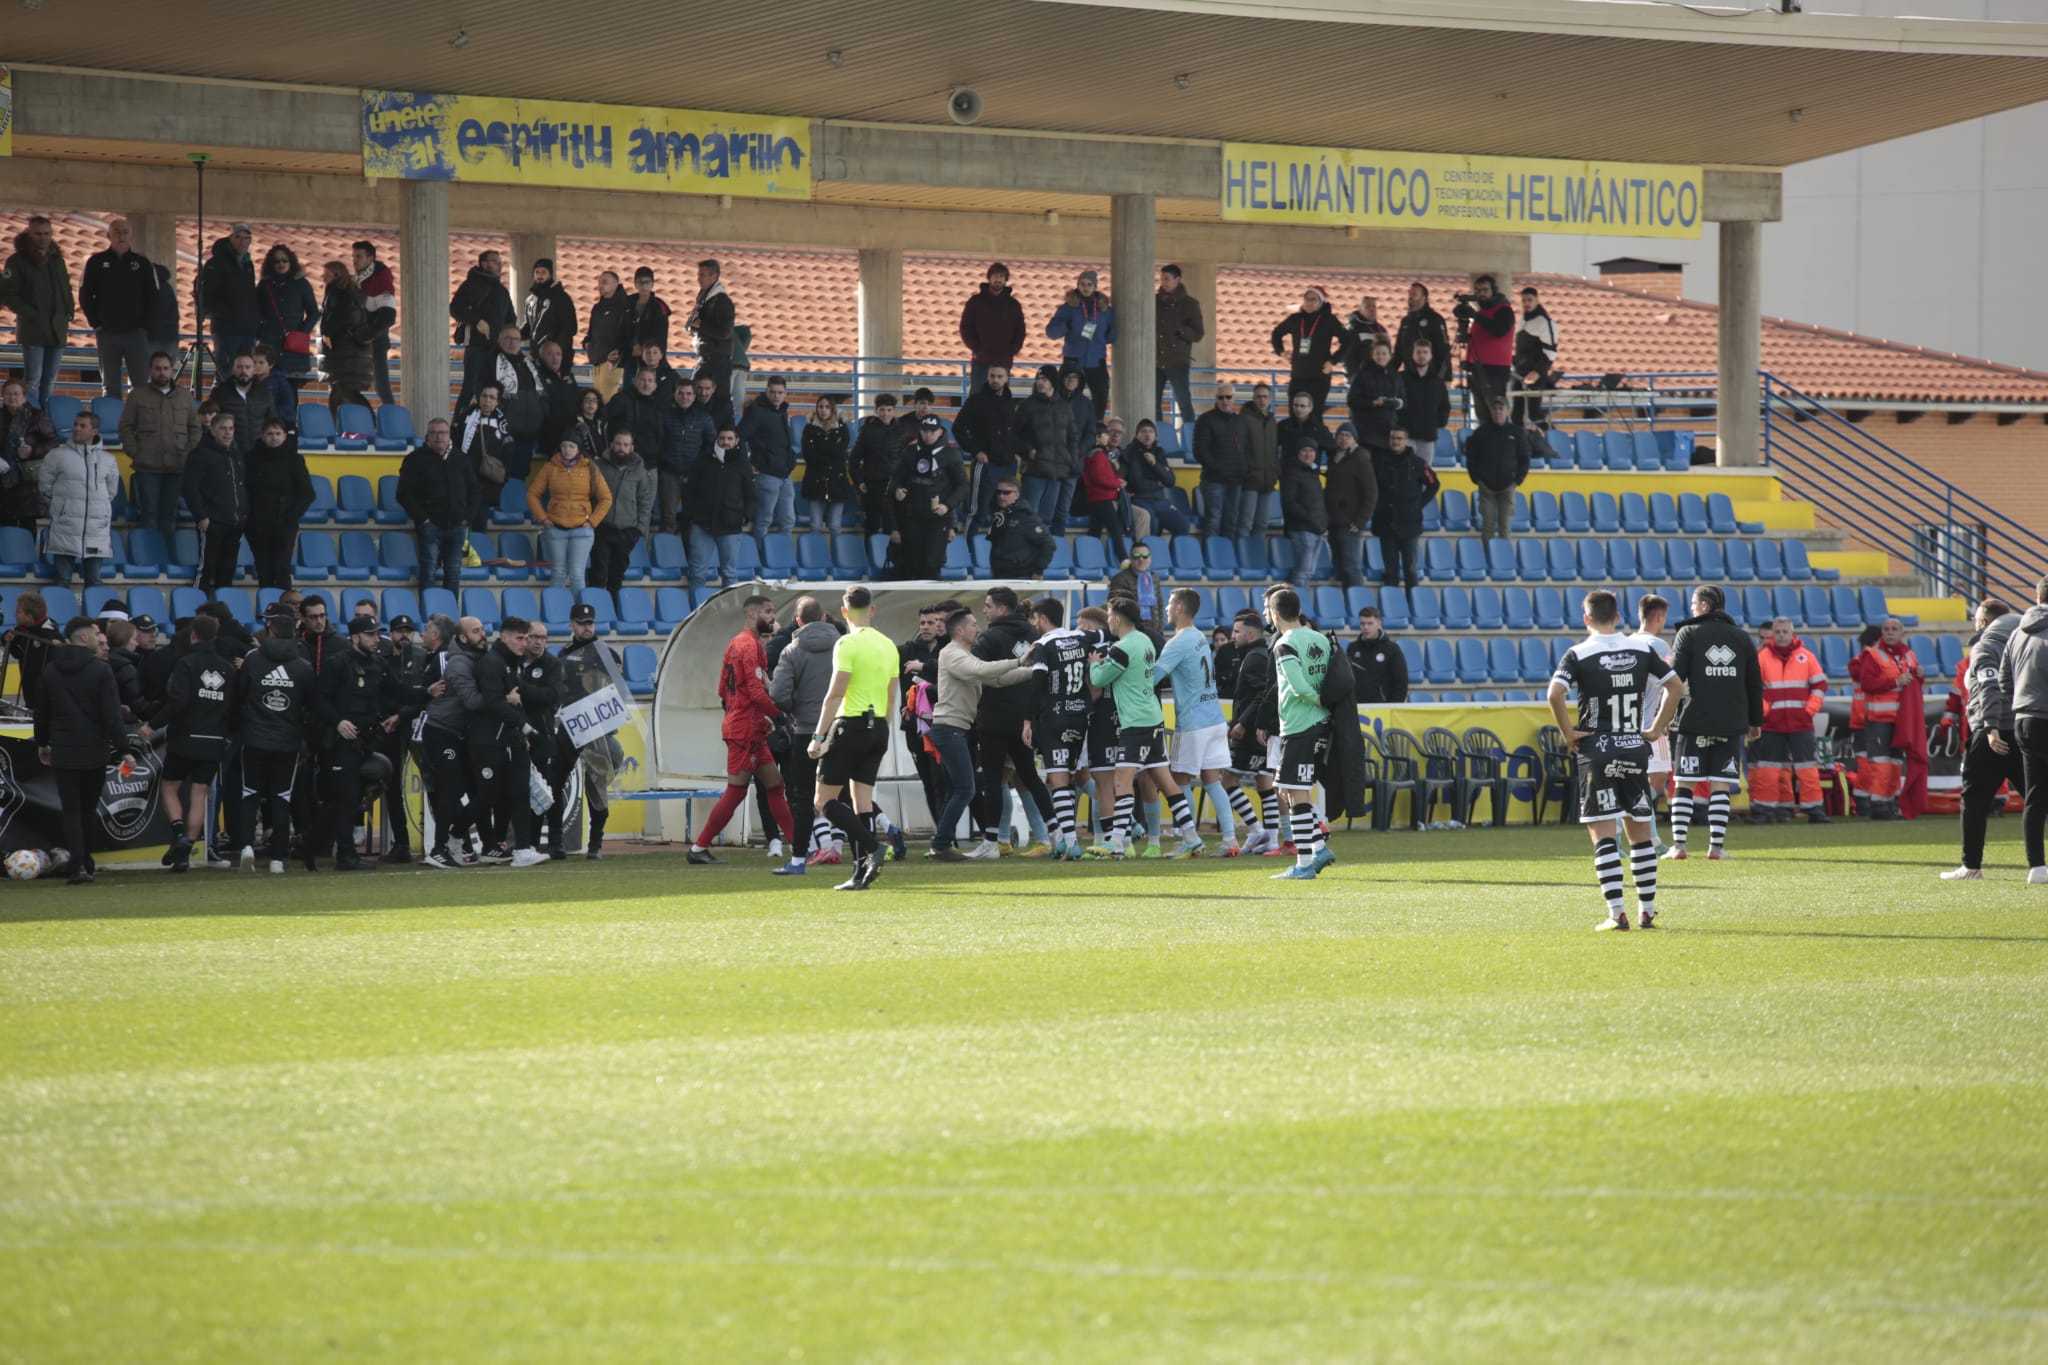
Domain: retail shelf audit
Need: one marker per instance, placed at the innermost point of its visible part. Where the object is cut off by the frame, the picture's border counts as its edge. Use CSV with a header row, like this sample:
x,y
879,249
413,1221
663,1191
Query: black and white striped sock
x,y
1681,817
1717,819
1241,806
1607,866
1126,811
1183,815
1302,819
1643,861
1269,806
1064,799
821,833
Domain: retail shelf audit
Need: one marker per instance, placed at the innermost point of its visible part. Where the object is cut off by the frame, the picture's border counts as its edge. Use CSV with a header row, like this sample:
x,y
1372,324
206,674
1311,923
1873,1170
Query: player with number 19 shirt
x,y
1060,658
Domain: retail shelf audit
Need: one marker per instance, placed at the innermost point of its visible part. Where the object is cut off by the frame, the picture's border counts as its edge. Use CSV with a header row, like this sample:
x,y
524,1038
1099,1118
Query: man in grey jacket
x,y
1993,758
803,674
2023,678
630,476
961,679
439,740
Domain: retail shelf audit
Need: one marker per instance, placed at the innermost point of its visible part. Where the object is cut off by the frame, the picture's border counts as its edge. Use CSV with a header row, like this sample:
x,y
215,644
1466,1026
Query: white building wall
x,y
1932,240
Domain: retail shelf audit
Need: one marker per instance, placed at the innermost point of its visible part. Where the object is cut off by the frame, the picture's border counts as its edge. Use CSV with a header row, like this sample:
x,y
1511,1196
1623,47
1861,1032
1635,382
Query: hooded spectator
x,y
1049,447
36,284
286,313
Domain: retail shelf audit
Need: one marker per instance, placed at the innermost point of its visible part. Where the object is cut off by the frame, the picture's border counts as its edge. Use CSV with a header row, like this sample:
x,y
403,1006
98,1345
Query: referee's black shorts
x,y
854,748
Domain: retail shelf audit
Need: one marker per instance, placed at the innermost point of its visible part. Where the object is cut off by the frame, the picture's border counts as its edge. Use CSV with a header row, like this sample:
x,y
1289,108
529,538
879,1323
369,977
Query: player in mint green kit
x,y
1301,656
1125,668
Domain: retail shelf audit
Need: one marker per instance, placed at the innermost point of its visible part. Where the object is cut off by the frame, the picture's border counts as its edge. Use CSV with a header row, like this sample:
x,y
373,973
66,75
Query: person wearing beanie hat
x,y
1048,446
1311,340
991,326
550,313
1085,325
1351,493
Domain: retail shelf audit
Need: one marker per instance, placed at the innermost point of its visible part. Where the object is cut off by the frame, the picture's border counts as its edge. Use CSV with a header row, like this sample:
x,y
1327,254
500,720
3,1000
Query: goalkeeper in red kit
x,y
749,715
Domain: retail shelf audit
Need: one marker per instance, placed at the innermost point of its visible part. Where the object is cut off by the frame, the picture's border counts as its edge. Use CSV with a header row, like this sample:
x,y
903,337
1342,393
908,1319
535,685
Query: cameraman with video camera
x,y
1486,328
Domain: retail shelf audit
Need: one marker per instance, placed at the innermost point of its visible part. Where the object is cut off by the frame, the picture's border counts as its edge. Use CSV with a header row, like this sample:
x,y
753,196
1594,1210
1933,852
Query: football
x,y
26,864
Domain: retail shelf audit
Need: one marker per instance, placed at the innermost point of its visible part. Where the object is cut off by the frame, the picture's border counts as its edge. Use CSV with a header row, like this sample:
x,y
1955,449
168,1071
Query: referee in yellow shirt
x,y
865,666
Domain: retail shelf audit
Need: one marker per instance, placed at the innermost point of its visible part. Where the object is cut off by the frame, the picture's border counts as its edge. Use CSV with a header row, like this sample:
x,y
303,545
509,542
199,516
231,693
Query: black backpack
x,y
1339,687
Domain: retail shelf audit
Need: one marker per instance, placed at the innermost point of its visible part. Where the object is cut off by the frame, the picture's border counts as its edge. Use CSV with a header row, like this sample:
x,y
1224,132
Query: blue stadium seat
x,y
108,409
1091,561
746,559
814,557
1606,514
1950,649
394,428
557,603
1800,568
323,508
1692,514
184,601
441,602
395,602
1619,452
356,427
1457,608
957,564
1577,513
1503,660
18,553
637,564
148,556
878,551
1356,599
1621,561
849,560
511,509
1593,561
1488,610
1924,650
1375,561
316,428
482,603
519,545
1433,512
1683,560
1518,514
522,602
1785,602
92,601
145,599
1411,650
1847,606
1394,610
1439,661
1567,448
1648,458
671,608
1500,561
1650,557
1232,599
638,663
1538,663
1635,514
318,560
667,559
1425,608
1872,600
1721,515
1439,560
1835,653
1741,557
354,500
1471,560
1484,694
1564,560
486,546
1814,608
1329,608
1531,561
1770,561
1252,560
1472,660
1756,607
636,611
388,512
1457,510
1186,558
778,554
237,600
1218,554
1518,608
1713,561
1663,514
398,557
1545,517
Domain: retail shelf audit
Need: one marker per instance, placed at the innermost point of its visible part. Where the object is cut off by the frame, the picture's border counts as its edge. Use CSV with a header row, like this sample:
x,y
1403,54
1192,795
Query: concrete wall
x,y
1931,239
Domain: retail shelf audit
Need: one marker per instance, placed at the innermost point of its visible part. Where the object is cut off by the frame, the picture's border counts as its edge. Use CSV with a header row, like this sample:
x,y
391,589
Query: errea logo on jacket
x,y
1721,662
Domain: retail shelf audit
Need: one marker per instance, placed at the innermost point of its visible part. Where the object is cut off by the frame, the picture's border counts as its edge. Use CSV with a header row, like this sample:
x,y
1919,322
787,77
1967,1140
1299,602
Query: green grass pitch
x,y
1416,1110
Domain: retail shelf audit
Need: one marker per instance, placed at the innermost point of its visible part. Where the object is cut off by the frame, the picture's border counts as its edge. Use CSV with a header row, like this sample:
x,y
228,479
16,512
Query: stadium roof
x,y
1567,78
804,303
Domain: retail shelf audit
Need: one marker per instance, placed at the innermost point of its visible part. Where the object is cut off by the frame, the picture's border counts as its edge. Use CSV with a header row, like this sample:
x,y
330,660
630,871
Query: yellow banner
x,y
1335,187
6,112
408,135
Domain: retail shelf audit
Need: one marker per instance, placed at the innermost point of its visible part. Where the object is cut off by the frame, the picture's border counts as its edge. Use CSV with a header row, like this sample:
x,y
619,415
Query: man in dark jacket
x,y
1535,358
1262,437
227,289
319,639
1048,445
1304,514
1350,495
1497,458
437,488
498,758
117,294
1424,323
1223,453
640,409
1993,759
1147,476
542,689
1019,546
717,495
32,639
604,340
1425,400
647,314
355,703
198,715
1301,423
380,300
77,727
1724,705
277,688
876,446
687,431
244,397
991,327
1407,484
1377,395
482,309
925,495
1311,340
986,431
1254,716
1177,327
764,435
1379,668
1000,719
550,313
711,323
216,489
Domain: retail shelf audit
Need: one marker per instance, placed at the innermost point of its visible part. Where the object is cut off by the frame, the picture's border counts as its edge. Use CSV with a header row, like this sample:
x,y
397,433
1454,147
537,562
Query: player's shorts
x,y
854,748
1707,758
1248,757
1143,747
1105,746
179,768
1301,756
1198,751
745,755
1660,757
1606,794
1061,742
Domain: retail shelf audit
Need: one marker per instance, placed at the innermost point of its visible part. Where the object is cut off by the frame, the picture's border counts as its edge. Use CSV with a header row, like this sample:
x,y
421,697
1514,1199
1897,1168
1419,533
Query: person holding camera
x,y
1311,340
1486,326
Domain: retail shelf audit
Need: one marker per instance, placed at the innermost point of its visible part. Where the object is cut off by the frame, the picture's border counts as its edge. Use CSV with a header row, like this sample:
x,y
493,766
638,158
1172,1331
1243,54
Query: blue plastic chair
x,y
486,547
1471,560
1741,556
814,558
1621,561
1663,514
1847,605
237,600
1425,609
1756,607
1647,457
1394,610
1635,514
388,512
482,603
668,559
1593,561
1500,561
1457,608
1721,515
1187,559
316,428
356,425
1683,560
1785,602
395,602
638,663
1800,568
1606,514
318,559
1329,607
354,500
394,428
1532,564
511,509
1439,661
398,558
1488,610
1872,599
1577,512
1472,660
1218,554
671,608
636,612
18,553
1411,650
441,602
522,602
1518,609
1091,561
1814,609
1565,447
1545,517
323,509
1503,660
1538,663
1835,653
1713,561
1950,650
184,601
1651,560
1618,450
1692,514
1564,560
1770,561
1252,560
1439,560
1457,510
1232,599
557,603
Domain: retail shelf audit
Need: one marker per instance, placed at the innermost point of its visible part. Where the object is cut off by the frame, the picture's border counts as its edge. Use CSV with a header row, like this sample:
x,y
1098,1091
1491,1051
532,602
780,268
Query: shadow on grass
x,y
1691,929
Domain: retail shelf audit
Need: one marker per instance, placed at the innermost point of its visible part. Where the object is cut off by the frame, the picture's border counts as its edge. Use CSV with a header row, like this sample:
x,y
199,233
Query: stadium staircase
x,y
1814,536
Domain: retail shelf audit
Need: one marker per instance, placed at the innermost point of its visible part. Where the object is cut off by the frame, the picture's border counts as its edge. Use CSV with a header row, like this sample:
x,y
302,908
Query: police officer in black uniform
x,y
540,696
588,665
408,669
353,707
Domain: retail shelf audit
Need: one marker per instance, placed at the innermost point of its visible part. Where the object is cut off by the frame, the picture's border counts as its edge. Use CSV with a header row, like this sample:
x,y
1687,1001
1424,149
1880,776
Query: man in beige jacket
x,y
961,679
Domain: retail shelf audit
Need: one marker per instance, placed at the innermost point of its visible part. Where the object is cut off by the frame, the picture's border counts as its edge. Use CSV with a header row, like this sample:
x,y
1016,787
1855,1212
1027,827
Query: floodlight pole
x,y
199,160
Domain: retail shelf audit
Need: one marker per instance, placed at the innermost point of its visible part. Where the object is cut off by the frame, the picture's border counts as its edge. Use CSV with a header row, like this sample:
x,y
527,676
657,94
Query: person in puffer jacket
x,y
1085,326
78,483
687,431
1047,453
216,490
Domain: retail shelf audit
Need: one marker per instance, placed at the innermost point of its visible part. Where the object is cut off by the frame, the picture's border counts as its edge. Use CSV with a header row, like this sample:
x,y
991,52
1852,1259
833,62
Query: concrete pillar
x,y
527,247
1200,278
423,298
1133,267
881,323
1738,429
156,236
